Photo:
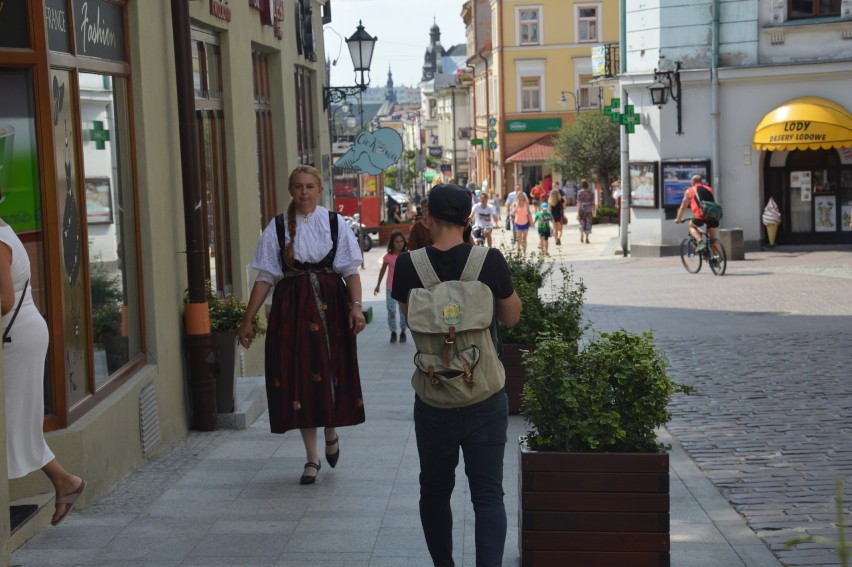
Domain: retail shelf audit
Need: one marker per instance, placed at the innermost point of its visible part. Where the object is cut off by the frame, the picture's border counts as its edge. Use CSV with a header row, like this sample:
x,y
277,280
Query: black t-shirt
x,y
449,265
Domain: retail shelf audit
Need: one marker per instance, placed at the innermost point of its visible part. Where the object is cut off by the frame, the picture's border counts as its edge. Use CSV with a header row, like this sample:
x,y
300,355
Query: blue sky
x,y
402,27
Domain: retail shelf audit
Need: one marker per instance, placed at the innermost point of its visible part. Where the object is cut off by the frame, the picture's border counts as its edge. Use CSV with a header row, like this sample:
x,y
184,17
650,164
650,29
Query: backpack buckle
x,y
468,375
448,345
432,379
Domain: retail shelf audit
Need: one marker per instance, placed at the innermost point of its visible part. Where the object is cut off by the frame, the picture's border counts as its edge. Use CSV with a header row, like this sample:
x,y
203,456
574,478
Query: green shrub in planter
x,y
227,312
548,295
610,396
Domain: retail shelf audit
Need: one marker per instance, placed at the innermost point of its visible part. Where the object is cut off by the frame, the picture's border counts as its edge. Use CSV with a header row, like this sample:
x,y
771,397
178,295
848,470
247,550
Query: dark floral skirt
x,y
312,377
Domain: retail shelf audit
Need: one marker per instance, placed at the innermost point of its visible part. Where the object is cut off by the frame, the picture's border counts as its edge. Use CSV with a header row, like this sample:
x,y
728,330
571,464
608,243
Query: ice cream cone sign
x,y
771,219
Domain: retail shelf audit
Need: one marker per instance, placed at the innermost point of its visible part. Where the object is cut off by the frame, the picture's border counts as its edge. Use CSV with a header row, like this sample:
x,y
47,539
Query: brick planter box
x,y
601,509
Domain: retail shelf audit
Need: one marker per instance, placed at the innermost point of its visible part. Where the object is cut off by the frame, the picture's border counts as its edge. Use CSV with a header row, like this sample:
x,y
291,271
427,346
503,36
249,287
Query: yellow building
x,y
532,74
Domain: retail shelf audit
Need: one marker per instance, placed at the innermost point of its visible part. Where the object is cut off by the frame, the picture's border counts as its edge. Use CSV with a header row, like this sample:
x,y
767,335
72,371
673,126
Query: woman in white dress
x,y
24,352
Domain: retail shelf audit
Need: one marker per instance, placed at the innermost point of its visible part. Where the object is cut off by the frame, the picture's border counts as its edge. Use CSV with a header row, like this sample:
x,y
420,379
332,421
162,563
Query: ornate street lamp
x,y
667,83
360,46
563,101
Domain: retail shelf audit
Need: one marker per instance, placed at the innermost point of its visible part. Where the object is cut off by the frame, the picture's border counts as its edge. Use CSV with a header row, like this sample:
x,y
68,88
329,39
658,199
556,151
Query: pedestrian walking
x,y
585,210
311,259
396,246
25,341
477,427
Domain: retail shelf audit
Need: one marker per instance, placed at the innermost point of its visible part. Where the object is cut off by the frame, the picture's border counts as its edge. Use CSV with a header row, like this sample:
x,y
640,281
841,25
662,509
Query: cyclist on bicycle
x,y
689,200
484,216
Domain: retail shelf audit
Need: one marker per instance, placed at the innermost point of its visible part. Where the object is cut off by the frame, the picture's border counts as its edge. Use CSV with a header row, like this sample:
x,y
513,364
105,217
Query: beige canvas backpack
x,y
456,363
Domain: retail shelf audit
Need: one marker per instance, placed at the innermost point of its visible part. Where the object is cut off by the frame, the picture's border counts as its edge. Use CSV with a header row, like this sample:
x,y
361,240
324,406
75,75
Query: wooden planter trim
x,y
602,509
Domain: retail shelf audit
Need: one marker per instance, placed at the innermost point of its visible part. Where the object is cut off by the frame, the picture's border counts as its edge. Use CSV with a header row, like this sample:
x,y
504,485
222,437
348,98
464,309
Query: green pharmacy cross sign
x,y
98,135
629,119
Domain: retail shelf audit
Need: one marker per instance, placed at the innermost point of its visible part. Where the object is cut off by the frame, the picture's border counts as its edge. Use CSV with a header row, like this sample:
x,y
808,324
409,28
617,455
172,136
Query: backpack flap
x,y
464,306
460,367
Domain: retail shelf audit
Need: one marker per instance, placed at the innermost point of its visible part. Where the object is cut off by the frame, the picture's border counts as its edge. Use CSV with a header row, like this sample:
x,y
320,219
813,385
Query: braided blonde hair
x,y
289,252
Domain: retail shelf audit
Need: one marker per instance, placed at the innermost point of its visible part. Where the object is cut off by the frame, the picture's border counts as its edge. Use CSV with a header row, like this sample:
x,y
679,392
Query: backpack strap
x,y
474,264
6,338
424,268
280,230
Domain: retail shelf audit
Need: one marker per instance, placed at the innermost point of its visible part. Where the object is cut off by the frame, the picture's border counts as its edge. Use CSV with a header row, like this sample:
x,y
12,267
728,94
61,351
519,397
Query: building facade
x,y
532,68
92,182
763,110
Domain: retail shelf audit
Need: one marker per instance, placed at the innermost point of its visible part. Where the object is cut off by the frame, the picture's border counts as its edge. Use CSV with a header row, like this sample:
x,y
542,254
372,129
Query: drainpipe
x,y
474,129
501,77
199,347
625,138
453,119
487,116
714,101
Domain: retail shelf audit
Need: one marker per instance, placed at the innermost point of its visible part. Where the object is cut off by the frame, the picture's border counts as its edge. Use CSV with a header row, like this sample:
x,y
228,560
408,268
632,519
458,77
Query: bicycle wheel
x,y
690,259
718,258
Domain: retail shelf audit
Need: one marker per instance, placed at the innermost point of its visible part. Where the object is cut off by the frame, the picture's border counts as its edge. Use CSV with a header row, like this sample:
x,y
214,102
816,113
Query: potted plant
x,y
226,318
594,484
547,295
604,214
107,302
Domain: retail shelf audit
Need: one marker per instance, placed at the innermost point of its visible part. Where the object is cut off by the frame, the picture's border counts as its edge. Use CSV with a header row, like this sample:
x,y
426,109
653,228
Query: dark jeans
x,y
480,431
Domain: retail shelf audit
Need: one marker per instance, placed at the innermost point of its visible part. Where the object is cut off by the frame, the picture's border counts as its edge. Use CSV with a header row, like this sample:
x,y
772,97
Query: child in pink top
x,y
396,246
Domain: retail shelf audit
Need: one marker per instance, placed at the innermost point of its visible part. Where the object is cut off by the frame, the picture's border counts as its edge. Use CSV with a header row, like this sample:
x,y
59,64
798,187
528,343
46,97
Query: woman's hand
x,y
357,322
376,291
245,334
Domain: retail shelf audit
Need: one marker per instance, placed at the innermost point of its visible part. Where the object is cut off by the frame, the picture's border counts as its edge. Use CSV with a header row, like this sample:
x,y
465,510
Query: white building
x,y
762,106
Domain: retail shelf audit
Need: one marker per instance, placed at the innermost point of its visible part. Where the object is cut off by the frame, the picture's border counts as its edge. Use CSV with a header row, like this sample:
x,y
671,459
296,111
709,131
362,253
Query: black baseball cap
x,y
450,203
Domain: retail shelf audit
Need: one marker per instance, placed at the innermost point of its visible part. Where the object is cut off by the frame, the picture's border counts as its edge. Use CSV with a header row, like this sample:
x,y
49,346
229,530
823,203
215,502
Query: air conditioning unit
x,y
464,134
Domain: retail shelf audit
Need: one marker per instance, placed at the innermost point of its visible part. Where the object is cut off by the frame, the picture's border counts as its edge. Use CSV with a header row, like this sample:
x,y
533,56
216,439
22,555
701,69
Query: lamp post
x,y
667,83
360,46
563,101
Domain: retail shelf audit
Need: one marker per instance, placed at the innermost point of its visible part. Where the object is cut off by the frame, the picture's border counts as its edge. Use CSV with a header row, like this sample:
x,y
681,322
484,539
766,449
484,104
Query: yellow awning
x,y
807,123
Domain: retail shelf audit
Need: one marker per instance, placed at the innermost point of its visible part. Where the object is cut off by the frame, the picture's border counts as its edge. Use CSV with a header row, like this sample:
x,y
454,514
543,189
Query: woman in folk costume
x,y
311,258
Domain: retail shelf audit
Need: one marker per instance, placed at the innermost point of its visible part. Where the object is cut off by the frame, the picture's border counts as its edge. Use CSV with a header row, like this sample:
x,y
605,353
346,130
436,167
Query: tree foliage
x,y
588,147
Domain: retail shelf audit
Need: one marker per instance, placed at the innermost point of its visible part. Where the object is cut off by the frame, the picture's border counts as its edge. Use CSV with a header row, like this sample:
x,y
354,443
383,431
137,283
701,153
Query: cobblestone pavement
x,y
768,348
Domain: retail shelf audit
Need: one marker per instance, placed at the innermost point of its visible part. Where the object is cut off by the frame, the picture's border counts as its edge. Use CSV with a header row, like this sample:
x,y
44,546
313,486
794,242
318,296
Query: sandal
x,y
310,479
69,500
332,457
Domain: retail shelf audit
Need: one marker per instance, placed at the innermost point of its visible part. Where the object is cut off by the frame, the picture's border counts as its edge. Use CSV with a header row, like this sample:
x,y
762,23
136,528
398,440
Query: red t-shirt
x,y
693,202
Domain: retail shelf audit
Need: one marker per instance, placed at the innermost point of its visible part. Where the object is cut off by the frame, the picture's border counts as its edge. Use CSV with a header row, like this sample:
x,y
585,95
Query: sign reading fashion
x,y
99,32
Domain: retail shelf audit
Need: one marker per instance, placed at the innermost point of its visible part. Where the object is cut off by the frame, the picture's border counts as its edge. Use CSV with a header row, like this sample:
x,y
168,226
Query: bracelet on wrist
x,y
358,303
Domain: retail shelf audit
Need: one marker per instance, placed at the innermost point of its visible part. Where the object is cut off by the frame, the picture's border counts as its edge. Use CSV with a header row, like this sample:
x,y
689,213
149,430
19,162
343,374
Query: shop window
x,y
812,8
265,146
110,216
212,153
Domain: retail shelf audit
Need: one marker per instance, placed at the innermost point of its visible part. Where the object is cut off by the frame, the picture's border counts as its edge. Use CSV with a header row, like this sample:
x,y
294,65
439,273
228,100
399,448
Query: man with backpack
x,y
452,294
699,198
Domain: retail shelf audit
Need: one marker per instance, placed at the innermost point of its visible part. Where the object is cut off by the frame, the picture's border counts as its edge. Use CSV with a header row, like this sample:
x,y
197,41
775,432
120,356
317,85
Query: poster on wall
x,y
677,178
795,179
846,218
825,215
98,201
20,203
643,184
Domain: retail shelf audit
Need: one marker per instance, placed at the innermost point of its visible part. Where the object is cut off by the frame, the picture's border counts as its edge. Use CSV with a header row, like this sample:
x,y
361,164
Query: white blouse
x,y
313,243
